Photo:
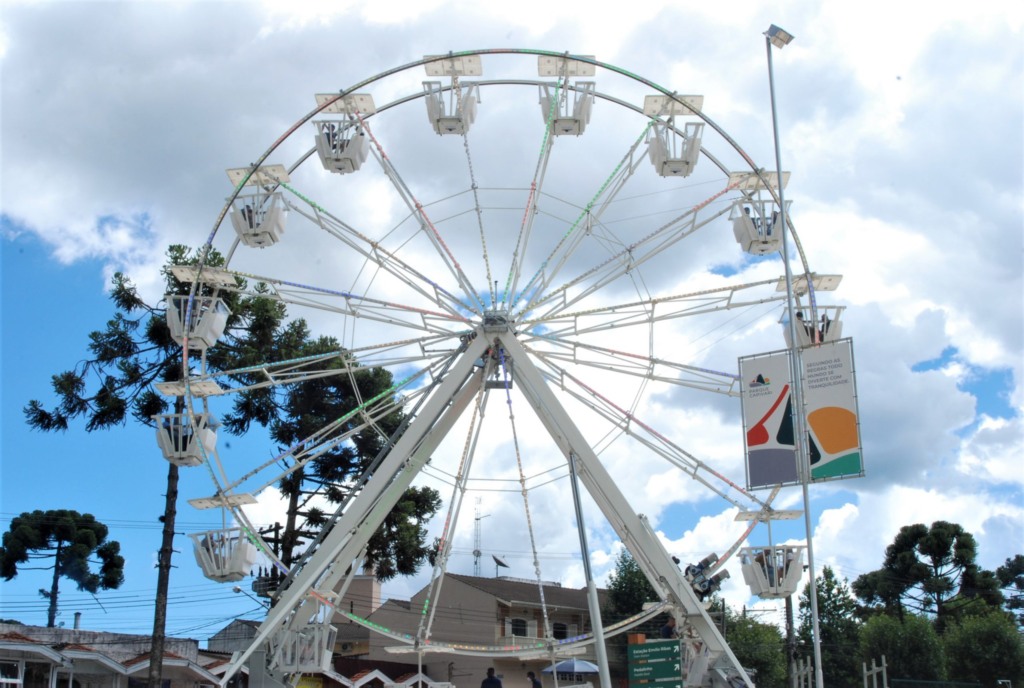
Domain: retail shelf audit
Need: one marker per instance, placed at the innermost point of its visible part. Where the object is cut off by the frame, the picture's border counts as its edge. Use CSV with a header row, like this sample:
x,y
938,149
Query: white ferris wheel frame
x,y
459,377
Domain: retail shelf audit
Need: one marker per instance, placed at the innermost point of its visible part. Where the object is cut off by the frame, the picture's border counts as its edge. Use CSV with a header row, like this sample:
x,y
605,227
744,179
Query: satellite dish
x,y
498,563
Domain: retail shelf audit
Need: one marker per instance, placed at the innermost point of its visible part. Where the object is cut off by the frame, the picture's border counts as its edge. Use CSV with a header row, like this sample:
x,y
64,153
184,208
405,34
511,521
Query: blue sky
x,y
119,476
118,120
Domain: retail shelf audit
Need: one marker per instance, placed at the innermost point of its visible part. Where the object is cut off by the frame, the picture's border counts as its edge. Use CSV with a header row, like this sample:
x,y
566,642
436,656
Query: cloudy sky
x,y
902,130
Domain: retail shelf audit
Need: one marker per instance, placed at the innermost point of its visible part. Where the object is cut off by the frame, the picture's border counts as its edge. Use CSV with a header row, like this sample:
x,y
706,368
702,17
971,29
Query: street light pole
x,y
238,589
780,38
600,651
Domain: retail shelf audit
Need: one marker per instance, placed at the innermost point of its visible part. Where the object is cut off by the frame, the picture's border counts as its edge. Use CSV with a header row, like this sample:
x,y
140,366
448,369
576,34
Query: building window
x,y
561,631
518,626
37,675
10,674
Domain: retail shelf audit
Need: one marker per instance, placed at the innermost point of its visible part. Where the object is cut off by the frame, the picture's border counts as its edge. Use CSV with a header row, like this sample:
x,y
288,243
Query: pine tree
x,y
932,571
69,539
136,350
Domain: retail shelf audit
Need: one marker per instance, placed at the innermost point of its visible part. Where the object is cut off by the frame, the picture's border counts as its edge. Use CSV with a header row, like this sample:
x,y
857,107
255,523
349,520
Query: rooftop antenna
x,y
476,538
498,563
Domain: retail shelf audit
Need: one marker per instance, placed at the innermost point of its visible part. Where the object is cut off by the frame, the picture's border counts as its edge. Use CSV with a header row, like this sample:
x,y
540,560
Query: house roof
x,y
16,637
390,605
368,675
79,646
16,642
61,652
338,677
172,666
240,623
521,592
220,665
51,646
84,654
145,658
412,677
120,647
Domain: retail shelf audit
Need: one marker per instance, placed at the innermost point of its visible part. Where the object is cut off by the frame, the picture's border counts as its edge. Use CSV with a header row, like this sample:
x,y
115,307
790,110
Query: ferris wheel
x,y
543,250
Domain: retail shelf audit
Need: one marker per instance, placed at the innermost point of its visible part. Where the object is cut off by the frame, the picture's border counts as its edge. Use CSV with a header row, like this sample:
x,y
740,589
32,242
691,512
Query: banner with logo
x,y
830,398
830,412
768,420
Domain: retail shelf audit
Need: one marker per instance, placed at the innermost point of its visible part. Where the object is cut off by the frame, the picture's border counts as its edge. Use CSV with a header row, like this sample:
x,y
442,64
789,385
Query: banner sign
x,y
830,400
768,420
830,413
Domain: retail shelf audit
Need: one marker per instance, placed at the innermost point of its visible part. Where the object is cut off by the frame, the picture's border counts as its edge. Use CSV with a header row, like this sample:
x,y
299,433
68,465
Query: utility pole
x,y
790,643
477,539
163,580
163,566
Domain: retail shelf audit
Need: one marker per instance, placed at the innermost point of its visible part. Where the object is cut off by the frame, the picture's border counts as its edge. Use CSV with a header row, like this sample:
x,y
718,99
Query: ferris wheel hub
x,y
497,321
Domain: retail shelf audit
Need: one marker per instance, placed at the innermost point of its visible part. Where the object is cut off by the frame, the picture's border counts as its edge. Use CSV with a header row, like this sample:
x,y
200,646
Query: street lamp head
x,y
780,38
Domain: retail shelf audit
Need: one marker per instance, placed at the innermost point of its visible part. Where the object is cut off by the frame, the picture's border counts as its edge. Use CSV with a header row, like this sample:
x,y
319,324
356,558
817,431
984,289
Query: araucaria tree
x,y
929,570
294,413
136,350
73,542
1011,577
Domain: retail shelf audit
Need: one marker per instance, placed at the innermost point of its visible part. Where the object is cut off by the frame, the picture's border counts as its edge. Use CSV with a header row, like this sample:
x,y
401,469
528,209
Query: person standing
x,y
491,681
534,681
669,629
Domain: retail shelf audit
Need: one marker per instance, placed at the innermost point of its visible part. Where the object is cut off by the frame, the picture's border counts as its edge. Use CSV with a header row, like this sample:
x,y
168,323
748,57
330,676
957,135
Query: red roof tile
x,y
18,637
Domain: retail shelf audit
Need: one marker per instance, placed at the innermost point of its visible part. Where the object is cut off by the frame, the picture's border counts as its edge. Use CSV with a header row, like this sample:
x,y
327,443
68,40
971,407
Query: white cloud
x,y
120,118
992,453
852,539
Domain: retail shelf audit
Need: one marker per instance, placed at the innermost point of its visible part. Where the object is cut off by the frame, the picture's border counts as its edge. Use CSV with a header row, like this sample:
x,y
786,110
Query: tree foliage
x,y
628,588
71,540
400,546
758,647
297,412
911,647
132,352
838,625
929,570
984,648
1011,577
136,350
